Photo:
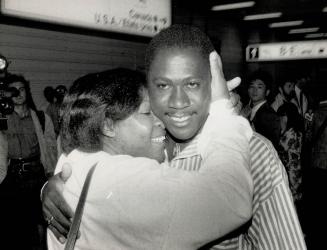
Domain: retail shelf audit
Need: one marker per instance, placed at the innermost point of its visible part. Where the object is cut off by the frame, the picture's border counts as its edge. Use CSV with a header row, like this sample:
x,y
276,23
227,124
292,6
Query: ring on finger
x,y
49,220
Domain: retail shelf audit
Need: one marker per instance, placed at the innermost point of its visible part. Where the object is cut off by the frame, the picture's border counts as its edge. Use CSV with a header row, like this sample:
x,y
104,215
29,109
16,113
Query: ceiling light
x,y
304,30
285,24
324,9
315,35
263,16
233,6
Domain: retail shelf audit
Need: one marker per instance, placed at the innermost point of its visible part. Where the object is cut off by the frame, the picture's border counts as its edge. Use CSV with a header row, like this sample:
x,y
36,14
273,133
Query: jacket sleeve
x,y
268,125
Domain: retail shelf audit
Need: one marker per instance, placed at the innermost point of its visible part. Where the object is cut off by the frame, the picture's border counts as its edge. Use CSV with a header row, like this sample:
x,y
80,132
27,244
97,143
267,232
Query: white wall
x,y
50,58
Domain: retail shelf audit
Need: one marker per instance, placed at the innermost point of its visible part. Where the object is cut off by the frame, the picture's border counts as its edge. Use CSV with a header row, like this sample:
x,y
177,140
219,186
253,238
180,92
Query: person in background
x,y
286,93
262,117
290,149
55,98
31,157
3,122
316,180
60,91
174,68
52,108
3,156
301,99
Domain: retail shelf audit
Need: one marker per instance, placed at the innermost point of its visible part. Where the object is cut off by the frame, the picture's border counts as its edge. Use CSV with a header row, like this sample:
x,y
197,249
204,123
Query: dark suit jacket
x,y
267,122
319,138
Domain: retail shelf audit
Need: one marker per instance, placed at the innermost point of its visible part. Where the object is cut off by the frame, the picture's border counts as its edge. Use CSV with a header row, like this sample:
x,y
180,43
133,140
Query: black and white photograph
x,y
163,124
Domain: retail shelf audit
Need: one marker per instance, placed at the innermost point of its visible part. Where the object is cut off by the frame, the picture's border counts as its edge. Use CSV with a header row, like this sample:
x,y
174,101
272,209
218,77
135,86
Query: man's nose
x,y
179,98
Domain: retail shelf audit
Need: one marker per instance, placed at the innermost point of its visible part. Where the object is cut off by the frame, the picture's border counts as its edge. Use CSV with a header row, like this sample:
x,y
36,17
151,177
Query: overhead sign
x,y
287,51
139,17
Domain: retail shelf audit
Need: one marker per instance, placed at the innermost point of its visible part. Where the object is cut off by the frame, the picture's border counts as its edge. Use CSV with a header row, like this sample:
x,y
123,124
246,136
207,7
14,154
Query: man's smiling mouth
x,y
180,120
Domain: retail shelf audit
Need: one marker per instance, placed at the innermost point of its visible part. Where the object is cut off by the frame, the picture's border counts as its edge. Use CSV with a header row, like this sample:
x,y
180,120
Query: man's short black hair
x,y
262,75
288,78
180,36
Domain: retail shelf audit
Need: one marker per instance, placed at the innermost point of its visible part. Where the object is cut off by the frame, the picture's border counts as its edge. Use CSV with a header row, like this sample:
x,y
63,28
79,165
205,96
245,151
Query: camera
x,y
6,104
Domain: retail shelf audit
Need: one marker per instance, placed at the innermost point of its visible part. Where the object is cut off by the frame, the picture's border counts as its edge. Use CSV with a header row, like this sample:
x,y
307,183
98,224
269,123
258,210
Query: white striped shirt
x,y
275,223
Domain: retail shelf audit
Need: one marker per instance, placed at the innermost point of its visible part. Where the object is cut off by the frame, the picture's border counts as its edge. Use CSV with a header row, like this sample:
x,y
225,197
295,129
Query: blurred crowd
x,y
295,122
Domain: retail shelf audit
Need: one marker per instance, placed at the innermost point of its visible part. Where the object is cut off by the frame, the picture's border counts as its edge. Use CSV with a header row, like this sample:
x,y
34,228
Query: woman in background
x,y
290,147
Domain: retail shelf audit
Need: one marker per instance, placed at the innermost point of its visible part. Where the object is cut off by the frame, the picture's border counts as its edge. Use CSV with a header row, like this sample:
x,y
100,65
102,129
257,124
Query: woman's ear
x,y
108,128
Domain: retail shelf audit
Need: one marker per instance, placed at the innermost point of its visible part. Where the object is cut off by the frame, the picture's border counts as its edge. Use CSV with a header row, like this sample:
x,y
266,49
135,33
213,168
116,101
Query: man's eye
x,y
193,85
162,86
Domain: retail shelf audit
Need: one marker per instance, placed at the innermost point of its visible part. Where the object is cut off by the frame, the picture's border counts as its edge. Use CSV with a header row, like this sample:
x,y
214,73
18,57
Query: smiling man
x,y
178,83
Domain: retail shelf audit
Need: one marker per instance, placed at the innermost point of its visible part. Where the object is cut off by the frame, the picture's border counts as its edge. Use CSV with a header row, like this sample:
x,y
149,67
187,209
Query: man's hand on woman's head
x,y
219,87
55,209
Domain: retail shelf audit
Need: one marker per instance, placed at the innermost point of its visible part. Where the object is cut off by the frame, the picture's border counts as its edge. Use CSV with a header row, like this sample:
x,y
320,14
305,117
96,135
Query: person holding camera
x,y
54,98
31,157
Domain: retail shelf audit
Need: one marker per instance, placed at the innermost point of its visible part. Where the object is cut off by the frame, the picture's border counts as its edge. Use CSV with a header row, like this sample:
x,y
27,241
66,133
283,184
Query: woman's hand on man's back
x,y
55,209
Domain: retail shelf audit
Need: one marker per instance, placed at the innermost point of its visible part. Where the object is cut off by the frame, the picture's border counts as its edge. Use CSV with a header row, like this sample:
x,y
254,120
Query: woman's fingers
x,y
218,82
233,83
58,235
59,221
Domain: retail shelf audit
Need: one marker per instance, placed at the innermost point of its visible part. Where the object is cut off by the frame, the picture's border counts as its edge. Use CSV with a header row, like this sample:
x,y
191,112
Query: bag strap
x,y
73,231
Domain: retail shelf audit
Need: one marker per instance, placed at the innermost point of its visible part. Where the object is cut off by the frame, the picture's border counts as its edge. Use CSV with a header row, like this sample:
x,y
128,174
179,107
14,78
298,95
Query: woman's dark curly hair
x,y
113,94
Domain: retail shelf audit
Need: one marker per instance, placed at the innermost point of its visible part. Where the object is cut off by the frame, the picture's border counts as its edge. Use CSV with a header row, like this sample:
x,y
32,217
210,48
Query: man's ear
x,y
108,128
267,92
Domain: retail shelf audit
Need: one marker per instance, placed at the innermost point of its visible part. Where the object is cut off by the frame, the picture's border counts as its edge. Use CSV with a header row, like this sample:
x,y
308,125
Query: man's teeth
x,y
158,139
179,119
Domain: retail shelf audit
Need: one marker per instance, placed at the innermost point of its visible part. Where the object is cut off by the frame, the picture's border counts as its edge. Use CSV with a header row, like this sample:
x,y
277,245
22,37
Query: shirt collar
x,y
255,109
25,115
190,150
